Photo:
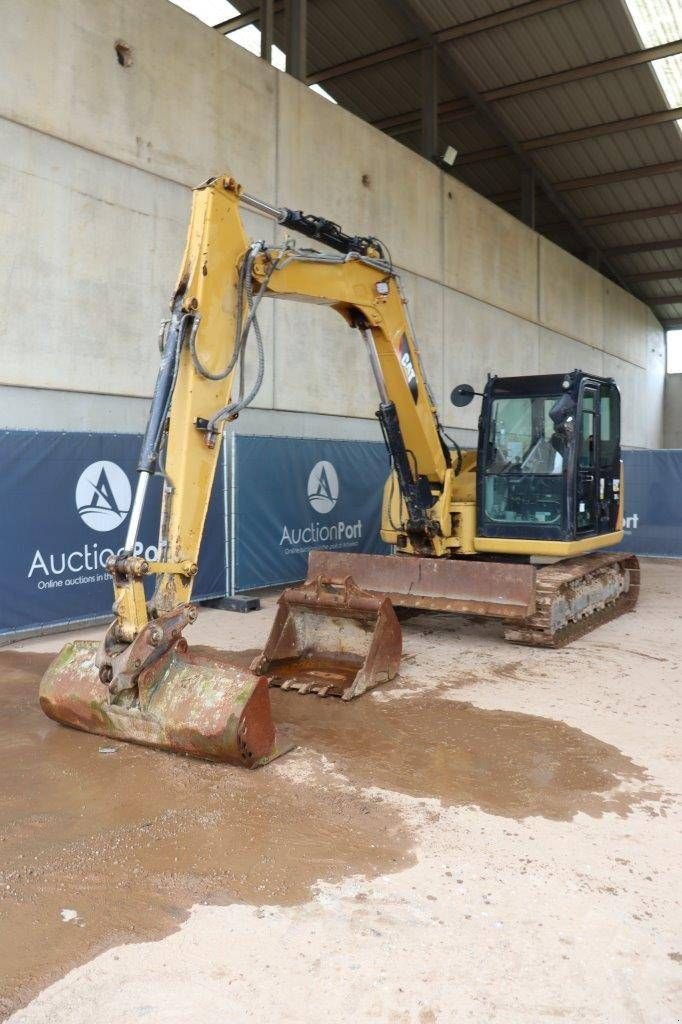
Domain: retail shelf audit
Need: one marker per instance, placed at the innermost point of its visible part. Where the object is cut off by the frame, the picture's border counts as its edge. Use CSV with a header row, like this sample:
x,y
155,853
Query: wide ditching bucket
x,y
186,702
331,638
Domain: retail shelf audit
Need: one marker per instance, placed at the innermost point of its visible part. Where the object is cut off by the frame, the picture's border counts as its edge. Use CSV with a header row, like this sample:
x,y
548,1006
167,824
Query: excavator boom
x,y
142,683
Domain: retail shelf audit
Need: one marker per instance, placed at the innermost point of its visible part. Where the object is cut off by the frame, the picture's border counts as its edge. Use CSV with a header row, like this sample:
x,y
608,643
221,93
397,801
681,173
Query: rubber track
x,y
552,579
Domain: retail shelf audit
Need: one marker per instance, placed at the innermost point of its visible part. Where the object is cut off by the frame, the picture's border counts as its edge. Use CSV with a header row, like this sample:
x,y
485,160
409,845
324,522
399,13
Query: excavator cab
x,y
548,465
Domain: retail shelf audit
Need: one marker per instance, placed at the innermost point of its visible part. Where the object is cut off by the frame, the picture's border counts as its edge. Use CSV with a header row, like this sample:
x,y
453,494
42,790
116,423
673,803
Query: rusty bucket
x,y
186,702
331,638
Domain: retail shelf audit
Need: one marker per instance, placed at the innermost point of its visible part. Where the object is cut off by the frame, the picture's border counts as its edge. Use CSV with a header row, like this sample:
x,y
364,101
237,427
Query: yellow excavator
x,y
470,529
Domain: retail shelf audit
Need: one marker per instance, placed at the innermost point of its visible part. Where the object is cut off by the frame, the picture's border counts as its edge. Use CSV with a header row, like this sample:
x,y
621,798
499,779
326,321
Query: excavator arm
x,y
222,281
222,278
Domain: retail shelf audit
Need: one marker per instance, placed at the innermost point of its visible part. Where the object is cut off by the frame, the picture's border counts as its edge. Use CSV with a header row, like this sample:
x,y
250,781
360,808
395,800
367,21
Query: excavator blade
x,y
331,638
186,702
501,590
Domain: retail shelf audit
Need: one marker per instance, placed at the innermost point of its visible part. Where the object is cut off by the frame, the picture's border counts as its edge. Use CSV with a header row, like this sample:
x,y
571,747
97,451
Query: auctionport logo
x,y
103,496
323,487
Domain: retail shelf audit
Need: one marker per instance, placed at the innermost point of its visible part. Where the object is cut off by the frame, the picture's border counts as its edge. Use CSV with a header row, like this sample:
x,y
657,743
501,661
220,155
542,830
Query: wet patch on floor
x,y
505,763
124,839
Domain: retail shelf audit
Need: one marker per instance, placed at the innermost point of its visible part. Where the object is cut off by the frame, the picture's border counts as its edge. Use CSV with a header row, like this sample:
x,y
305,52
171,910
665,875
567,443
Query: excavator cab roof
x,y
541,384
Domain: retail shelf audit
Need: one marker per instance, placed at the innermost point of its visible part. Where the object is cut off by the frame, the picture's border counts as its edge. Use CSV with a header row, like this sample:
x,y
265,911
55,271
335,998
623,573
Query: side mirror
x,y
462,395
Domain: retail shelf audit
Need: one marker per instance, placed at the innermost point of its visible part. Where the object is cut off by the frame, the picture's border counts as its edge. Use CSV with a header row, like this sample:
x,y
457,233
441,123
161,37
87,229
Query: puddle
x,y
130,839
504,762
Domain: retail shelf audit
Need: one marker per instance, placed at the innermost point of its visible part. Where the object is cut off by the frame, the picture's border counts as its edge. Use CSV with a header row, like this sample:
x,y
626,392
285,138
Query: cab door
x,y
608,478
587,477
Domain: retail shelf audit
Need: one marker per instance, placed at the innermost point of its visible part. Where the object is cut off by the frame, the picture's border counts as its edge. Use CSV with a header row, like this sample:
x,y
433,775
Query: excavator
x,y
514,530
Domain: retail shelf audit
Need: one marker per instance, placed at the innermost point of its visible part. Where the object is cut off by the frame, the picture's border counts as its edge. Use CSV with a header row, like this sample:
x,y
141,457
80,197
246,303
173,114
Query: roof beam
x,y
663,300
622,216
660,243
458,76
627,174
601,67
671,274
594,180
445,35
626,124
250,17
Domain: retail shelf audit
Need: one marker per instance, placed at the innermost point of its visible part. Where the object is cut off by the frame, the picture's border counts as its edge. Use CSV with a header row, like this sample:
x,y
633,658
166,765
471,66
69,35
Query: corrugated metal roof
x,y
554,37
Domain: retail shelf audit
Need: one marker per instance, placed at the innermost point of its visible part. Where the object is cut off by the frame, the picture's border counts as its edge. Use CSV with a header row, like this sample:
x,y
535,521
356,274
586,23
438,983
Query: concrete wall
x,y
672,428
96,161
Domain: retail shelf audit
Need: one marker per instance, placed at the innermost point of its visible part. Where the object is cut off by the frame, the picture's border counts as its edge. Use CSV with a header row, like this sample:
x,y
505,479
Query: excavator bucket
x,y
186,702
331,638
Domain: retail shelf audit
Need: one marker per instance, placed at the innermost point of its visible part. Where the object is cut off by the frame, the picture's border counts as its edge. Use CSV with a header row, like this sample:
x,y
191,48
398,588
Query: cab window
x,y
609,426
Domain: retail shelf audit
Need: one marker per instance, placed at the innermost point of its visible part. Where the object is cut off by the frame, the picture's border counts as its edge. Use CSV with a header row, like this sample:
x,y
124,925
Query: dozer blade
x,y
331,638
501,590
186,702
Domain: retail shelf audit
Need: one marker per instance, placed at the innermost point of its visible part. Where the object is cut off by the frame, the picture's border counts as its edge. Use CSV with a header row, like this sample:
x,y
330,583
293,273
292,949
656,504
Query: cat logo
x,y
408,367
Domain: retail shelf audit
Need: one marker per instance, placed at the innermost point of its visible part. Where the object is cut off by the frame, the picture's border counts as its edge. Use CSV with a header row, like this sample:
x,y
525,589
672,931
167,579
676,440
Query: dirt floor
x,y
494,836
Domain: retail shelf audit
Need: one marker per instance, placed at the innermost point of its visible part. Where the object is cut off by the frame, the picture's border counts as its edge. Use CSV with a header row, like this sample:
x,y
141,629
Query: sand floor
x,y
493,836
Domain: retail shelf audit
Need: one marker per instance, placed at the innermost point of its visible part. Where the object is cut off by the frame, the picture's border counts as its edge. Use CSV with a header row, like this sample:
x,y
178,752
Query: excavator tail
x,y
186,702
331,638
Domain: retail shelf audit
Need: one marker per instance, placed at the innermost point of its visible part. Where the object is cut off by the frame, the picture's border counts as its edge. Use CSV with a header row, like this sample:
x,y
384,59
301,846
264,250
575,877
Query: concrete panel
x,y
654,382
37,409
481,339
672,437
559,354
321,365
631,381
626,322
488,253
89,251
190,105
571,296
323,153
92,269
280,423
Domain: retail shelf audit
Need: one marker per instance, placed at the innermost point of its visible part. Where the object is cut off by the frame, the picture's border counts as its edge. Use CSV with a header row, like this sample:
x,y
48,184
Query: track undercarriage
x,y
575,596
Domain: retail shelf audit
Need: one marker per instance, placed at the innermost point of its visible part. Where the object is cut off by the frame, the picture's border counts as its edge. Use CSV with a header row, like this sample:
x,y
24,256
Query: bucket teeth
x,y
330,637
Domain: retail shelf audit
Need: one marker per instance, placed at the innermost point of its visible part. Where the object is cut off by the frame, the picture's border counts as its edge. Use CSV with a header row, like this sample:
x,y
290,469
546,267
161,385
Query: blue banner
x,y
653,502
290,495
64,510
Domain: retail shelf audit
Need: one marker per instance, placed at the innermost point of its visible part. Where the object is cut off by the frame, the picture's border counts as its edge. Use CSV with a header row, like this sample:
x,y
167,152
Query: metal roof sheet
x,y
556,38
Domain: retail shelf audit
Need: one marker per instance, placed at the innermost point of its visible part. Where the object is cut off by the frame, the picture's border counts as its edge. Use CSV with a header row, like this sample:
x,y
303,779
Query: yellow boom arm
x,y
222,279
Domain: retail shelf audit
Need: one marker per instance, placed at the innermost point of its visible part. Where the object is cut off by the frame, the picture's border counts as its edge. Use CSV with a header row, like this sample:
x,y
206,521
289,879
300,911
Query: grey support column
x,y
267,24
297,38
